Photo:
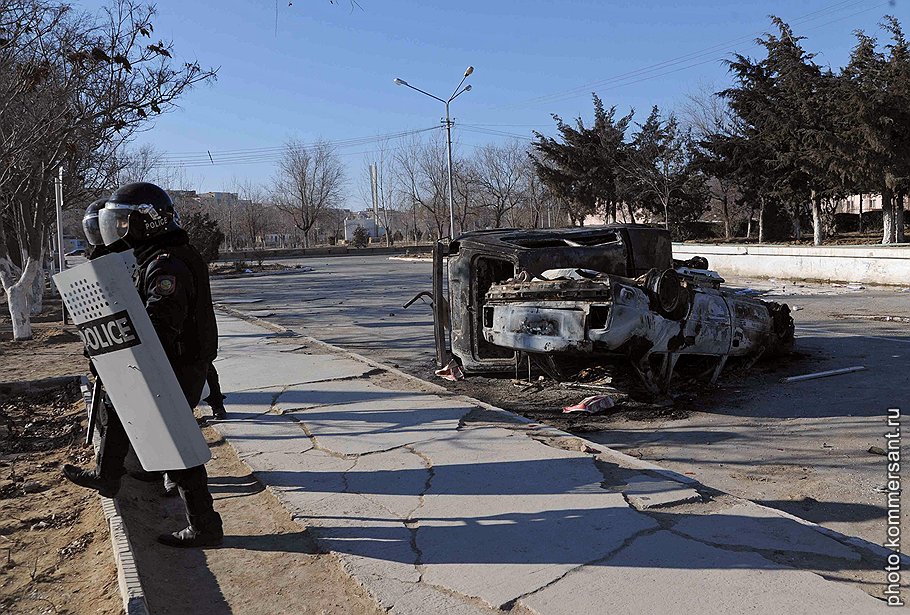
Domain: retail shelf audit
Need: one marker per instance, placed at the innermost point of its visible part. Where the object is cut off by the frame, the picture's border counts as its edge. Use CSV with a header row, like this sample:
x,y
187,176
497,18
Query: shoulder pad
x,y
167,264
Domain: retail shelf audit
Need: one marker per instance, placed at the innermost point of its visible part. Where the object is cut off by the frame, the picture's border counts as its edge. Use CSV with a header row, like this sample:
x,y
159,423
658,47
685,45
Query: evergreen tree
x,y
580,167
205,234
875,95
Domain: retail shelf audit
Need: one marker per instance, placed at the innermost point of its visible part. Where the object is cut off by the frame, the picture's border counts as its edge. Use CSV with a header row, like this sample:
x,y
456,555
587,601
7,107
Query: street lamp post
x,y
458,91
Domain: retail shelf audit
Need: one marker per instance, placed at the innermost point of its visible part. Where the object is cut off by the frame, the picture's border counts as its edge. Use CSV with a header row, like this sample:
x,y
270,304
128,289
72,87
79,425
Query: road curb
x,y
260,274
601,450
131,591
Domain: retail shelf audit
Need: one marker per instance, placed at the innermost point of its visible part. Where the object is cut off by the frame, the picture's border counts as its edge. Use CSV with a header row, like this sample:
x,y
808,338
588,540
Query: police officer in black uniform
x,y
173,282
113,443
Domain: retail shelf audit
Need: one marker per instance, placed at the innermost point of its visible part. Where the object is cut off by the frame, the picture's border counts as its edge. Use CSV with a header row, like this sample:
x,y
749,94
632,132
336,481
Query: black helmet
x,y
137,212
90,223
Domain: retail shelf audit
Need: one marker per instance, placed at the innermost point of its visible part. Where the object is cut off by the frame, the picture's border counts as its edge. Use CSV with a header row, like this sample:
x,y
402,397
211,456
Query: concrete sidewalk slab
x,y
756,527
665,573
437,505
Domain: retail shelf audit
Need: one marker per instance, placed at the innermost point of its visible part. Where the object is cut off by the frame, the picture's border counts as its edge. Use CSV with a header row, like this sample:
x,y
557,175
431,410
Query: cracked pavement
x,y
438,505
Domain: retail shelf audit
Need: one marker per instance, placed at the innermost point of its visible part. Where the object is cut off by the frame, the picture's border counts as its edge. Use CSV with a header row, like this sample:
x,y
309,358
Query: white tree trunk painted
x,y
888,217
17,297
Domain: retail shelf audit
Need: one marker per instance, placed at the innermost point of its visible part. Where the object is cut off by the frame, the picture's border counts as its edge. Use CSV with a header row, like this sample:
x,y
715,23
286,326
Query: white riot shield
x,y
102,300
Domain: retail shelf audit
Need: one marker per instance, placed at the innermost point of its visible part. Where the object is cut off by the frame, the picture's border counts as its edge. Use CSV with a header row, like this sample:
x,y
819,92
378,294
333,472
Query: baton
x,y
93,410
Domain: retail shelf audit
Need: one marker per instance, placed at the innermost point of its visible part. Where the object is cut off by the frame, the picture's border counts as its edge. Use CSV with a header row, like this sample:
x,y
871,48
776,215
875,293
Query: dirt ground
x,y
55,550
54,351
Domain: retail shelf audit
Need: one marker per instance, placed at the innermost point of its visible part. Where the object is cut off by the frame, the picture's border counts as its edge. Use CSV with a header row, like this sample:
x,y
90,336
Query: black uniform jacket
x,y
173,281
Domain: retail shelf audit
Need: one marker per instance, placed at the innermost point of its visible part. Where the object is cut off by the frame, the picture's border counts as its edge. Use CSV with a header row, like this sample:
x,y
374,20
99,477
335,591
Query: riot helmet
x,y
90,225
137,213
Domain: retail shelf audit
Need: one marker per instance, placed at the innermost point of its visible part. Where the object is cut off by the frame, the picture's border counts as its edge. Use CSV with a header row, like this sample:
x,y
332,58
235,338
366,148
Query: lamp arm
x,y
424,93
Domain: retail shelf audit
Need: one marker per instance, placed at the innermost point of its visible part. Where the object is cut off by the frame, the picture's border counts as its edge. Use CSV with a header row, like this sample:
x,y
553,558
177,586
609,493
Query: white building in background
x,y
851,205
362,219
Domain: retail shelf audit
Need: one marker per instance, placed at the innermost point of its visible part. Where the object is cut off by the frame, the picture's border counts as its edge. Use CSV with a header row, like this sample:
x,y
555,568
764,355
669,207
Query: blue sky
x,y
329,70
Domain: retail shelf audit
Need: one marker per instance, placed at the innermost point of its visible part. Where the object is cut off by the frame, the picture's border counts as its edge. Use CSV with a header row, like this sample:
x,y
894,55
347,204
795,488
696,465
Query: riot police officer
x,y
173,282
113,445
92,229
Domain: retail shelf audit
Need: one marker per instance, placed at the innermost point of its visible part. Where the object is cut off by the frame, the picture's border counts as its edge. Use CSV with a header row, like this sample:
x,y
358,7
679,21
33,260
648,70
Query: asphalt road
x,y
801,447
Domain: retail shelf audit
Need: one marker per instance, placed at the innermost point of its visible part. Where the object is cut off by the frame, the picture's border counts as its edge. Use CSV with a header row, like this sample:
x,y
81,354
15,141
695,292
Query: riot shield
x,y
119,337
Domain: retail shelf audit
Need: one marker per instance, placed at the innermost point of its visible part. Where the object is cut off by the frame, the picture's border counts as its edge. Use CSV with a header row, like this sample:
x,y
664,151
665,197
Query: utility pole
x,y
61,258
374,191
449,166
58,189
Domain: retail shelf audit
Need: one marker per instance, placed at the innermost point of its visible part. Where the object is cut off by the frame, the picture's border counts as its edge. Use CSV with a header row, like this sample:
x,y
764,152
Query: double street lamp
x,y
458,91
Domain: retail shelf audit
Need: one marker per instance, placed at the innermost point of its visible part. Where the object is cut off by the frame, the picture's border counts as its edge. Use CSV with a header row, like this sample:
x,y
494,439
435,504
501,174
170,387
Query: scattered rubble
x,y
591,405
451,372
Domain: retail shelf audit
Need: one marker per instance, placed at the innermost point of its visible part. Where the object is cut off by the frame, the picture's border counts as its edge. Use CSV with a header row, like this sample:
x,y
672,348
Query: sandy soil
x,y
267,564
54,351
55,550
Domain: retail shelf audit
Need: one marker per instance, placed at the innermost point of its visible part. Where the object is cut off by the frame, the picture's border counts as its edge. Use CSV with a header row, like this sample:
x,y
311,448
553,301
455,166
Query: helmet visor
x,y
92,230
114,222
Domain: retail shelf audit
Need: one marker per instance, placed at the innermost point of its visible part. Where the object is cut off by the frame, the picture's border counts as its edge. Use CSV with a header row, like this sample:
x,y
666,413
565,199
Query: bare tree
x,y
501,174
73,87
709,120
466,187
310,180
421,176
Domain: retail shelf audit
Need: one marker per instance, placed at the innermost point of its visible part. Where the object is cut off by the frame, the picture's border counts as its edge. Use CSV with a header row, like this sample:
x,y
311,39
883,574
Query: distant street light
x,y
458,91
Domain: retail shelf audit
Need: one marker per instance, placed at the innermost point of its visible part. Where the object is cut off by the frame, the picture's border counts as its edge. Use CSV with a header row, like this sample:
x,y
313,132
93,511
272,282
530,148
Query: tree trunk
x,y
818,227
888,216
898,208
667,214
761,220
860,212
36,292
728,231
17,297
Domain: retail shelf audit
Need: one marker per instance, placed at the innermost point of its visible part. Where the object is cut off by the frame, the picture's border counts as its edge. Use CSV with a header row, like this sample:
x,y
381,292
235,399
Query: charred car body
x,y
612,290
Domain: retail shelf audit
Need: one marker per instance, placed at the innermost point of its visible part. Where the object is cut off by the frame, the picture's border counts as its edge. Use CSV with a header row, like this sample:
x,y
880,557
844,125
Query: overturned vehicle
x,y
597,292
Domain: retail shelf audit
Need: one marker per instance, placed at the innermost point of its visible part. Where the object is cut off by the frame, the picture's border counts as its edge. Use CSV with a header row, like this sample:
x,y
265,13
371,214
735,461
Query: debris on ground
x,y
452,371
877,450
824,374
750,292
591,405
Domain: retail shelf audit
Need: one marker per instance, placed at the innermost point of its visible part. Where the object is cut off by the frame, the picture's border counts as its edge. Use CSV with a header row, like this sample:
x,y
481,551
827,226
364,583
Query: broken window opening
x,y
487,272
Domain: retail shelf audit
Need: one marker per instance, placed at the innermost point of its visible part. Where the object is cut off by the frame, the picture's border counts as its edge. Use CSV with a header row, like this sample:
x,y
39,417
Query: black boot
x,y
90,479
191,537
218,412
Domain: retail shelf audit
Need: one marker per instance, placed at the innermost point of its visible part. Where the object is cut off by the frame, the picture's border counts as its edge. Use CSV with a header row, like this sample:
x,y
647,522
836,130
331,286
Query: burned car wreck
x,y
601,292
